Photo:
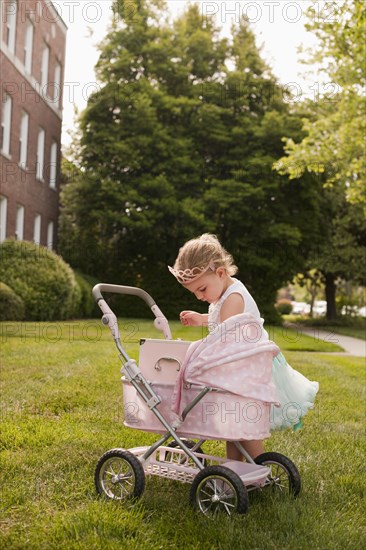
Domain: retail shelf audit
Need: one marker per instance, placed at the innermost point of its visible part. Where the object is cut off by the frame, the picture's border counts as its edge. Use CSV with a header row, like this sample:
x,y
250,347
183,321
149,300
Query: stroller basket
x,y
173,463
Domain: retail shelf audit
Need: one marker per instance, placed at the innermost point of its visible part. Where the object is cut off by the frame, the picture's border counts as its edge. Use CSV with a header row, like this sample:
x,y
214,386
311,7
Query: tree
x,y
268,227
341,252
333,147
335,130
181,139
139,187
312,281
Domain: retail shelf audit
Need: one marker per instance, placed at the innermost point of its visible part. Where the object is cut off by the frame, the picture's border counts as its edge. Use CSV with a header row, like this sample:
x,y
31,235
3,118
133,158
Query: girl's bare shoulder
x,y
233,305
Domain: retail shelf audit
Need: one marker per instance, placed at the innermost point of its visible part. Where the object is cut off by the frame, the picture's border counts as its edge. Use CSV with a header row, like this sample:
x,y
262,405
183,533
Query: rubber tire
x,y
231,477
134,463
292,472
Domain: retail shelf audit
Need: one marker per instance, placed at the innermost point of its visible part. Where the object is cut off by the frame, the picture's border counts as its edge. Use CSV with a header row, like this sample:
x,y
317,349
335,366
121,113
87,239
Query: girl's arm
x,y
194,319
233,305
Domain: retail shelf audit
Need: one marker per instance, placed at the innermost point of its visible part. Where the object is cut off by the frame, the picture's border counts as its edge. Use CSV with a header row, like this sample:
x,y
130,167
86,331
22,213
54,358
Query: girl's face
x,y
210,286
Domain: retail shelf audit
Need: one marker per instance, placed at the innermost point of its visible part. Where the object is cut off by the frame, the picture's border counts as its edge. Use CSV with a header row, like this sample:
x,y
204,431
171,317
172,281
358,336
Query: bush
x,y
340,321
86,307
284,307
41,278
11,305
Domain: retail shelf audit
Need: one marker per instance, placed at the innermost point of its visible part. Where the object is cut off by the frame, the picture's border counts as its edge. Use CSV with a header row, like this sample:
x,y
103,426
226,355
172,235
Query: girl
x,y
206,269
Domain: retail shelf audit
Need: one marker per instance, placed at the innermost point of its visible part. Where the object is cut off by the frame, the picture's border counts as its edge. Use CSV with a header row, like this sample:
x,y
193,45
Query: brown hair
x,y
201,251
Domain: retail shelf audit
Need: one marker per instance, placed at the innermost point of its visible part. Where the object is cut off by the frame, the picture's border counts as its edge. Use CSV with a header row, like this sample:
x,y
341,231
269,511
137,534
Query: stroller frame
x,y
218,484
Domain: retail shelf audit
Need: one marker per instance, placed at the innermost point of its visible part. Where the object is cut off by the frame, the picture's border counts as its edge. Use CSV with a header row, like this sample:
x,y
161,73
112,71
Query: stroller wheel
x,y
217,489
284,475
119,475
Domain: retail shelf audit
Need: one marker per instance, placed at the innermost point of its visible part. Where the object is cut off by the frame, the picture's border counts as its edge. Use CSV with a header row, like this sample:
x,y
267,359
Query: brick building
x,y
32,57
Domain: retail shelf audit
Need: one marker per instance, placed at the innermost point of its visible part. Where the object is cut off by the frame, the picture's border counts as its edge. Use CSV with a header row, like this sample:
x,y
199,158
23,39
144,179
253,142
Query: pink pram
x,y
218,484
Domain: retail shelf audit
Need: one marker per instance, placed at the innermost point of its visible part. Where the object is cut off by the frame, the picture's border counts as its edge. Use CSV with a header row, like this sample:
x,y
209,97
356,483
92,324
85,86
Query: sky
x,y
278,26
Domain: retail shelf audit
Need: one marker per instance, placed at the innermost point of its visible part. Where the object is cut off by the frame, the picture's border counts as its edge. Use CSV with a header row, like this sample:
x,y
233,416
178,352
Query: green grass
x,y
61,408
348,326
347,331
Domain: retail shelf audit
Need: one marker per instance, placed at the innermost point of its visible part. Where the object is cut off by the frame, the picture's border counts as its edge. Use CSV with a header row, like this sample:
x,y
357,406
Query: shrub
x,y
340,321
42,279
86,306
11,305
284,307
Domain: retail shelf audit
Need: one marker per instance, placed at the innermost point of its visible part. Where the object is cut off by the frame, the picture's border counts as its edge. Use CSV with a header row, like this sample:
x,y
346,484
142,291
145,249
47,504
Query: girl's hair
x,y
202,251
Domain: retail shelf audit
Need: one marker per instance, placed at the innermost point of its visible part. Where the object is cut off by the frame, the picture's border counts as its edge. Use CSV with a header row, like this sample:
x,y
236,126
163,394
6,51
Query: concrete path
x,y
352,346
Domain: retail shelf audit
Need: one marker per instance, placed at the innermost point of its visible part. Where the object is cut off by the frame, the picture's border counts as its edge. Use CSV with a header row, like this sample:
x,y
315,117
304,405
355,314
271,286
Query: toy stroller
x,y
217,484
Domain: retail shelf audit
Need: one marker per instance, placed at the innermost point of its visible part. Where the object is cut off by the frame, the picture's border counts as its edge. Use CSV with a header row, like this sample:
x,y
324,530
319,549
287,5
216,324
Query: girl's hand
x,y
191,318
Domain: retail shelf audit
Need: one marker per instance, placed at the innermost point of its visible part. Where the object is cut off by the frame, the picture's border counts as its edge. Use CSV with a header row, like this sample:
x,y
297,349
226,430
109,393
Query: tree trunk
x,y
313,291
330,295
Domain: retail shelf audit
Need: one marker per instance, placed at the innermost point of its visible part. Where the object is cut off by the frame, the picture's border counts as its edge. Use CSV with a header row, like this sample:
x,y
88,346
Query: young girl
x,y
206,269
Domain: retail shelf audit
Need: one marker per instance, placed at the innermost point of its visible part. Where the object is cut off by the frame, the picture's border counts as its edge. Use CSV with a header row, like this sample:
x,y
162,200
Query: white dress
x,y
295,392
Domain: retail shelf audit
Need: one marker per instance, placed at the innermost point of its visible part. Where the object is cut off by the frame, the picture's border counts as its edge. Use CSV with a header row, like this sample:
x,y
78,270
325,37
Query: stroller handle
x,y
161,322
120,289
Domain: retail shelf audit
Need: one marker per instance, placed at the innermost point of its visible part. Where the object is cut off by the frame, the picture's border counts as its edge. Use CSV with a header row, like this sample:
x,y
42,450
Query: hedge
x,y
87,306
41,278
284,307
12,307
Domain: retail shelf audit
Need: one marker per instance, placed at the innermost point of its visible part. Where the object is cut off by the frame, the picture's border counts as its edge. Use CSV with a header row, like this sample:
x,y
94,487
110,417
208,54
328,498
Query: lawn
x,y
354,332
348,326
62,408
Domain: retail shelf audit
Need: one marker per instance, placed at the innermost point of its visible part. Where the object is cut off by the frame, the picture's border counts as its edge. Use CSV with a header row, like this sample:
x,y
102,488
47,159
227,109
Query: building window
x,y
19,228
6,125
53,165
40,155
3,212
10,13
28,47
37,229
23,140
44,69
50,235
57,85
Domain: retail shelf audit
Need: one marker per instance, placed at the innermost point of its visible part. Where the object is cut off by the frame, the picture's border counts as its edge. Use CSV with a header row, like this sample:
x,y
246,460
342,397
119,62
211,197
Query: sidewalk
x,y
352,346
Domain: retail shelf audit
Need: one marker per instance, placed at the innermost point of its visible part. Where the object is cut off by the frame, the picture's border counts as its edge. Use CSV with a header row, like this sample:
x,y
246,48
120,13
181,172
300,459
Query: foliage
x,y
44,282
180,140
86,307
312,280
333,147
334,140
11,305
283,306
339,251
350,297
344,324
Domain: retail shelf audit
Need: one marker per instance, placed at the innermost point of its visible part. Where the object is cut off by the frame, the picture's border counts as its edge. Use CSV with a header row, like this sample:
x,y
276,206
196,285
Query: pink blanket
x,y
235,357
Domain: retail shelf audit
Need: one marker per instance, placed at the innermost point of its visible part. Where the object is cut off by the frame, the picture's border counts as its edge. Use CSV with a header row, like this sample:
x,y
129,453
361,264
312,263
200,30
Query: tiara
x,y
190,275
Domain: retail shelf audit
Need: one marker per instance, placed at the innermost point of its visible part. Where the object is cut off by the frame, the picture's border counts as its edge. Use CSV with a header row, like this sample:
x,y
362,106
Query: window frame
x,y
6,125
41,141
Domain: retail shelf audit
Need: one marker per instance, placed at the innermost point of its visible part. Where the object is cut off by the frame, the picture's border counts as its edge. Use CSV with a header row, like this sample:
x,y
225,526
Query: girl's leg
x,y
232,452
253,447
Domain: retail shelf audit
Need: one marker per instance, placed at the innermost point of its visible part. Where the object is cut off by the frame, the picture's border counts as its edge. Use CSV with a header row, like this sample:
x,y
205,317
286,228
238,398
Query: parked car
x,y
319,308
300,308
362,311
